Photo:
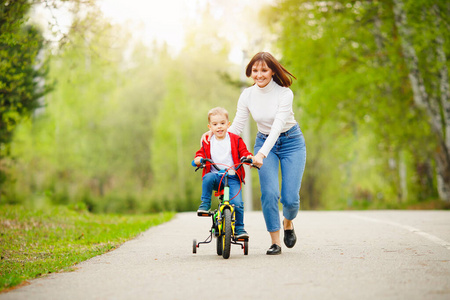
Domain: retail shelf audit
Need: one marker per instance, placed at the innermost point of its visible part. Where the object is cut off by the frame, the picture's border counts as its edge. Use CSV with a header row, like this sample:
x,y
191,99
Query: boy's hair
x,y
217,111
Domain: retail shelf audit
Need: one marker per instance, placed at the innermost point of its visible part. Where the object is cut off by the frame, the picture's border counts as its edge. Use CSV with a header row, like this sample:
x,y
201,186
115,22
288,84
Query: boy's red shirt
x,y
238,149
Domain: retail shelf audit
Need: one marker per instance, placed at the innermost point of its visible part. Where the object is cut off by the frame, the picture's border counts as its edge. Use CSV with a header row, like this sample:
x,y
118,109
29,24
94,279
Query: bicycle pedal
x,y
242,239
204,214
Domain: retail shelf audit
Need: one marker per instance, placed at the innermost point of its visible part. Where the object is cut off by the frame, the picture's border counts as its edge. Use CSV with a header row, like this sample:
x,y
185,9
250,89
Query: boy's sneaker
x,y
241,234
203,209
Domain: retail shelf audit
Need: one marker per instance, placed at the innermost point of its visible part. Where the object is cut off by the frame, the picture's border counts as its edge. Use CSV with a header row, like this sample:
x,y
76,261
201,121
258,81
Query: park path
x,y
339,255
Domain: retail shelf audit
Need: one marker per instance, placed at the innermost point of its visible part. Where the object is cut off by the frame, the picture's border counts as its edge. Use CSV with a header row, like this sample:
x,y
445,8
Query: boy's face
x,y
219,124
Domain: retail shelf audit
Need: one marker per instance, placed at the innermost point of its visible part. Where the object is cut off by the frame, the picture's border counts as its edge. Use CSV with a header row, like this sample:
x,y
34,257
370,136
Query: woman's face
x,y
261,73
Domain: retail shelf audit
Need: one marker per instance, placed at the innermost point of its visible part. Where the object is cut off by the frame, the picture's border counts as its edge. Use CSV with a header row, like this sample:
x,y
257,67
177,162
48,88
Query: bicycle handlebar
x,y
203,161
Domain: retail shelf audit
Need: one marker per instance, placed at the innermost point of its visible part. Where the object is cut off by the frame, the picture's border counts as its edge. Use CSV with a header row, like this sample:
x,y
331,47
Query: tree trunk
x,y
443,156
437,108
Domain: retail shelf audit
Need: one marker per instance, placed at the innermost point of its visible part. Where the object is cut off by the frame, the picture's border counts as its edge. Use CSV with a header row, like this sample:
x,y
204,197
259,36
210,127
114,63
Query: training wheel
x,y
246,248
194,246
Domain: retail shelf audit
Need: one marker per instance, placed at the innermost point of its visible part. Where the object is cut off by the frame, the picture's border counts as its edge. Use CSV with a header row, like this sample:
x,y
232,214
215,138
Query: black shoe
x,y
289,237
274,250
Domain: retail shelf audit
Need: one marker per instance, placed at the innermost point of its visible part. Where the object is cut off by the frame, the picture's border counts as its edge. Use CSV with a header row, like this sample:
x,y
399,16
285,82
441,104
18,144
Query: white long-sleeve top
x,y
271,108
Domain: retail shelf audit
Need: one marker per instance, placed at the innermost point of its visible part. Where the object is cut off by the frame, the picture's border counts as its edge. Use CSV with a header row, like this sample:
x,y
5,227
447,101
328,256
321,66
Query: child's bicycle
x,y
223,218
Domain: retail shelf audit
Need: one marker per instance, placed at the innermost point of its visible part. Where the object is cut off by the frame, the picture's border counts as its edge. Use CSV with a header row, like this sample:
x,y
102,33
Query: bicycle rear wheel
x,y
226,234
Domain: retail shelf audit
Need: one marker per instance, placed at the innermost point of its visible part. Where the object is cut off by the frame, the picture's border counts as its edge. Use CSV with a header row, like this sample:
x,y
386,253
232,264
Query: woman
x,y
279,142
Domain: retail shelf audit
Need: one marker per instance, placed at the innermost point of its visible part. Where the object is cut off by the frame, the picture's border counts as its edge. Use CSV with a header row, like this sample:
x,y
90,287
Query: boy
x,y
225,149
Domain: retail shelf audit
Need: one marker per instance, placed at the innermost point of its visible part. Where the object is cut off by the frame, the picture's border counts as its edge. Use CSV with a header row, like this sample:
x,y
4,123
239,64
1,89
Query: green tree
x,y
22,72
356,106
424,31
23,68
69,148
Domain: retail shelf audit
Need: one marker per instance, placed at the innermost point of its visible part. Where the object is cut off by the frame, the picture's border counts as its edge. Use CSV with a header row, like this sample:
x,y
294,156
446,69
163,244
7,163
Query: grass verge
x,y
38,242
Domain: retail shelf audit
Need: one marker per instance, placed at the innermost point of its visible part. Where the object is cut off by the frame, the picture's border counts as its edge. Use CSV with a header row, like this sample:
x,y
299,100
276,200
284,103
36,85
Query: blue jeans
x,y
211,182
290,152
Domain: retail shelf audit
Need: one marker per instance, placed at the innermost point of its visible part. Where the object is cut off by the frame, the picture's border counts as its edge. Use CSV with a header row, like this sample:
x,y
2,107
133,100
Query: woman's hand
x,y
206,137
258,159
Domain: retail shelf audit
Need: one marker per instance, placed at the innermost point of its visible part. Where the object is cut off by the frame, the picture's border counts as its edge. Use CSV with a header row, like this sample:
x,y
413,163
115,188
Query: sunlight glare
x,y
161,21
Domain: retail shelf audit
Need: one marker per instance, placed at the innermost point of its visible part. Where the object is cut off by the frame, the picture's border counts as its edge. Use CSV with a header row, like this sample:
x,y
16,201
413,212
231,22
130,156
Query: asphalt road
x,y
339,255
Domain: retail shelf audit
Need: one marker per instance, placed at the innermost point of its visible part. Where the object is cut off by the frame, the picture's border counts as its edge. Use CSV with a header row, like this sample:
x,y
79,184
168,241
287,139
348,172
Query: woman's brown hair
x,y
282,76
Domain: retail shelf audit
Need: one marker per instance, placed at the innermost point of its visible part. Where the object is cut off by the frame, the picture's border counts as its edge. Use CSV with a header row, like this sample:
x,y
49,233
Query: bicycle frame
x,y
225,204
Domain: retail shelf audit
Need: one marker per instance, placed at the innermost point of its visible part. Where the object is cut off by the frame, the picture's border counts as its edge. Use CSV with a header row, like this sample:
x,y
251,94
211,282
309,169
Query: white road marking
x,y
428,236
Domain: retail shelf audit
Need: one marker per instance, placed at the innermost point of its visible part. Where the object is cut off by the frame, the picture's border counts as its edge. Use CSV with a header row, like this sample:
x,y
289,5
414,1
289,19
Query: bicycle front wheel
x,y
226,233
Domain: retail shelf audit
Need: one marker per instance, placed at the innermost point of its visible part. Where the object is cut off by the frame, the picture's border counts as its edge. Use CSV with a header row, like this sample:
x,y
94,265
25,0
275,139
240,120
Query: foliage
x,y
23,67
119,132
22,72
120,128
356,106
36,242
